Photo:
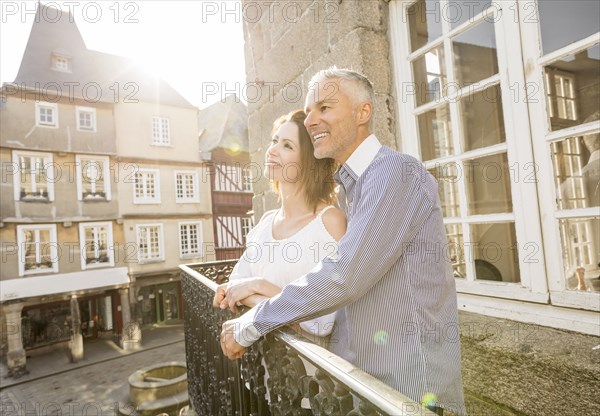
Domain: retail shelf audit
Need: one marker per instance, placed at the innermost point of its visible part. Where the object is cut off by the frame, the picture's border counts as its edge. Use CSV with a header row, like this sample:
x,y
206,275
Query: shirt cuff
x,y
244,331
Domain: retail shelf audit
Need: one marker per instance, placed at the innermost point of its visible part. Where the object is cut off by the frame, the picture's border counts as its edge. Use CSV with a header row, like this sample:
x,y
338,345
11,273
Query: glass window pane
x,y
430,76
482,119
475,54
456,250
576,168
460,11
572,88
488,185
495,252
447,178
580,239
424,22
564,22
435,133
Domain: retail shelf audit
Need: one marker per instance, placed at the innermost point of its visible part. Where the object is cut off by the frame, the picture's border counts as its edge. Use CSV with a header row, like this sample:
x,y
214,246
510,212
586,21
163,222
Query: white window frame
x,y
146,199
200,250
49,172
187,199
525,214
21,248
158,138
44,105
161,246
542,137
79,110
247,225
79,162
109,245
247,180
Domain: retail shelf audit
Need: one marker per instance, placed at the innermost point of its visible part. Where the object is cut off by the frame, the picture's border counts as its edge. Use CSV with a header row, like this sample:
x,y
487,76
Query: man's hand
x,y
229,345
219,295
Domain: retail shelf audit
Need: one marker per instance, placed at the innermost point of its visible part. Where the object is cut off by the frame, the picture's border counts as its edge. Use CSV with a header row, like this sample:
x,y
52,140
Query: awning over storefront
x,y
27,287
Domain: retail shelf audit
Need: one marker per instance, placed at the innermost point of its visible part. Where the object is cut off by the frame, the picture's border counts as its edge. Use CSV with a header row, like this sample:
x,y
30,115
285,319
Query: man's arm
x,y
389,211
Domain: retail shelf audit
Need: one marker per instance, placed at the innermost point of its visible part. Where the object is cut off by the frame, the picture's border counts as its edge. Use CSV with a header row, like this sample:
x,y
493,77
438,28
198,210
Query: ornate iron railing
x,y
218,386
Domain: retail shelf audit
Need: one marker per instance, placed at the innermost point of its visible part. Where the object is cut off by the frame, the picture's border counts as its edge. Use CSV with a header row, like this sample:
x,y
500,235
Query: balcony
x,y
303,378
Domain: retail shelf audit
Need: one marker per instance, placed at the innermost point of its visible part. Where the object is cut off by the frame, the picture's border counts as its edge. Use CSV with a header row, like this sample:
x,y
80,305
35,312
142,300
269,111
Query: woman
x,y
289,242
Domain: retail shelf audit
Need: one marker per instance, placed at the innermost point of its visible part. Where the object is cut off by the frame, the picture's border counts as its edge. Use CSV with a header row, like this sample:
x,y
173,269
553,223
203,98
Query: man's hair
x,y
316,175
360,88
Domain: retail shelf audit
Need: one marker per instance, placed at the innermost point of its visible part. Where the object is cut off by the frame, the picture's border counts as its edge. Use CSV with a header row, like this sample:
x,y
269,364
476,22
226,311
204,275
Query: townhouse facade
x,y
104,194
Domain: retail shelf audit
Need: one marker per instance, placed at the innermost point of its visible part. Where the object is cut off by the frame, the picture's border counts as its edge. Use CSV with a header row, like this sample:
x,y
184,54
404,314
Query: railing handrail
x,y
359,382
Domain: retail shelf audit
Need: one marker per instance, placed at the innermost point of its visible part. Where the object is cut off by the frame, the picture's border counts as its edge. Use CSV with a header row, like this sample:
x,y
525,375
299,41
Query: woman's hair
x,y
315,175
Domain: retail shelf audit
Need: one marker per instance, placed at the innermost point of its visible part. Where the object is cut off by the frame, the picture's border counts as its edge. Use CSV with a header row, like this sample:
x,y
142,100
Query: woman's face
x,y
282,160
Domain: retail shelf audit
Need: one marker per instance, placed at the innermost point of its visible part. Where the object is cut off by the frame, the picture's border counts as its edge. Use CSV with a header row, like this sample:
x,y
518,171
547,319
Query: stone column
x,y
131,338
76,343
15,358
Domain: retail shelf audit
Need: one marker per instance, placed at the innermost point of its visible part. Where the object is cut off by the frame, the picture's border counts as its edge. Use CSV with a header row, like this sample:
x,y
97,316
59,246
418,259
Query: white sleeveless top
x,y
283,261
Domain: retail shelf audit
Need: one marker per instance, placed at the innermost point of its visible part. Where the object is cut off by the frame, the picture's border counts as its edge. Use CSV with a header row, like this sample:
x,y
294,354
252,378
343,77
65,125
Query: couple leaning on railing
x,y
369,269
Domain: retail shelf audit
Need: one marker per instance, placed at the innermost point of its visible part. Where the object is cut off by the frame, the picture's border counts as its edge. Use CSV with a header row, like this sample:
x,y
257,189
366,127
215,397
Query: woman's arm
x,y
239,290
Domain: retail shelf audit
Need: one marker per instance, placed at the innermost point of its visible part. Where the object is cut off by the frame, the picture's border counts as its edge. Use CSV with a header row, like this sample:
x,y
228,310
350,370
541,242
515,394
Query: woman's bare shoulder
x,y
334,220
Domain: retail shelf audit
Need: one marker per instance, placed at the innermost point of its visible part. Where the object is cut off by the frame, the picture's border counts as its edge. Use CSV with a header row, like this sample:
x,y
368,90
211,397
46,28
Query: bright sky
x,y
197,46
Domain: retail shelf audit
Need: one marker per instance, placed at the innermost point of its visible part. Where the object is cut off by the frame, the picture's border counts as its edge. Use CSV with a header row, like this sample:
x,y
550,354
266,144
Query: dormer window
x,y
61,63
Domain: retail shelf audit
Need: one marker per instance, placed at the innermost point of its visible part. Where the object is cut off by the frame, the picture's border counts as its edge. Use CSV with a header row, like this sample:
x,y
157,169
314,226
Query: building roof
x,y
92,75
224,124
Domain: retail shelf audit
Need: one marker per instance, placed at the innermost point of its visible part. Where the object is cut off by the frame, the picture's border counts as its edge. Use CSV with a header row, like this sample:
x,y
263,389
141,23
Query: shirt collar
x,y
363,155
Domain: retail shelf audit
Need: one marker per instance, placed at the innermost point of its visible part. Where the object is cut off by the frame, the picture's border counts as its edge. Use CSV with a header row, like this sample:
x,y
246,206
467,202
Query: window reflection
x,y
580,238
483,119
430,76
576,166
461,11
572,88
435,133
456,250
496,254
564,22
447,176
475,55
488,185
424,23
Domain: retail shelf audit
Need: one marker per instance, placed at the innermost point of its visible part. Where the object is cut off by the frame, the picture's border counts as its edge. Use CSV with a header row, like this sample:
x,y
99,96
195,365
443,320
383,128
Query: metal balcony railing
x,y
218,386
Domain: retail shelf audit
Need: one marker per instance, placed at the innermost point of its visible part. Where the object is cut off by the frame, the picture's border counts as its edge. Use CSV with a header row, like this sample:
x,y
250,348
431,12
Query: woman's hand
x,y
219,295
238,290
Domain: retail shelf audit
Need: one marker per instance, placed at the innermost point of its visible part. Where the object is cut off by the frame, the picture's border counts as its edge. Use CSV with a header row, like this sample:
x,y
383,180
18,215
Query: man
x,y
398,320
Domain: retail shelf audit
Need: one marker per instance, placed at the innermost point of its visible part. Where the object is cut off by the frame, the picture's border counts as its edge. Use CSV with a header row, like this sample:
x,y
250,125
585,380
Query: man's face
x,y
330,120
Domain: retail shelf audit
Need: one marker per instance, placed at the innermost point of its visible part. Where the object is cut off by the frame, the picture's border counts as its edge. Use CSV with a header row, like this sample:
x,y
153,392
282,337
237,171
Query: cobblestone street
x,y
95,386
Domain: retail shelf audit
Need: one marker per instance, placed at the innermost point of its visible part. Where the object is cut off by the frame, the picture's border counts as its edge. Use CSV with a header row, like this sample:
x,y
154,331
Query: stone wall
x,y
289,42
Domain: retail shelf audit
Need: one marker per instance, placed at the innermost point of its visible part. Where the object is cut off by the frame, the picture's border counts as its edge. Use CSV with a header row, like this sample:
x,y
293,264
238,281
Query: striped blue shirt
x,y
391,281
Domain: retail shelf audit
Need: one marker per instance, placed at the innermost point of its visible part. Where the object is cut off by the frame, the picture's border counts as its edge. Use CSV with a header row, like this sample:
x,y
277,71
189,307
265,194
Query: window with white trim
x,y
46,114
186,186
562,45
190,239
457,115
93,178
161,135
96,244
86,118
37,245
33,178
146,186
247,225
150,243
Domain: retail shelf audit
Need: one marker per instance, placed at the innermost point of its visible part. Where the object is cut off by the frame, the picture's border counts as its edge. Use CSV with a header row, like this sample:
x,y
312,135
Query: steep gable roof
x,y
224,124
92,75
